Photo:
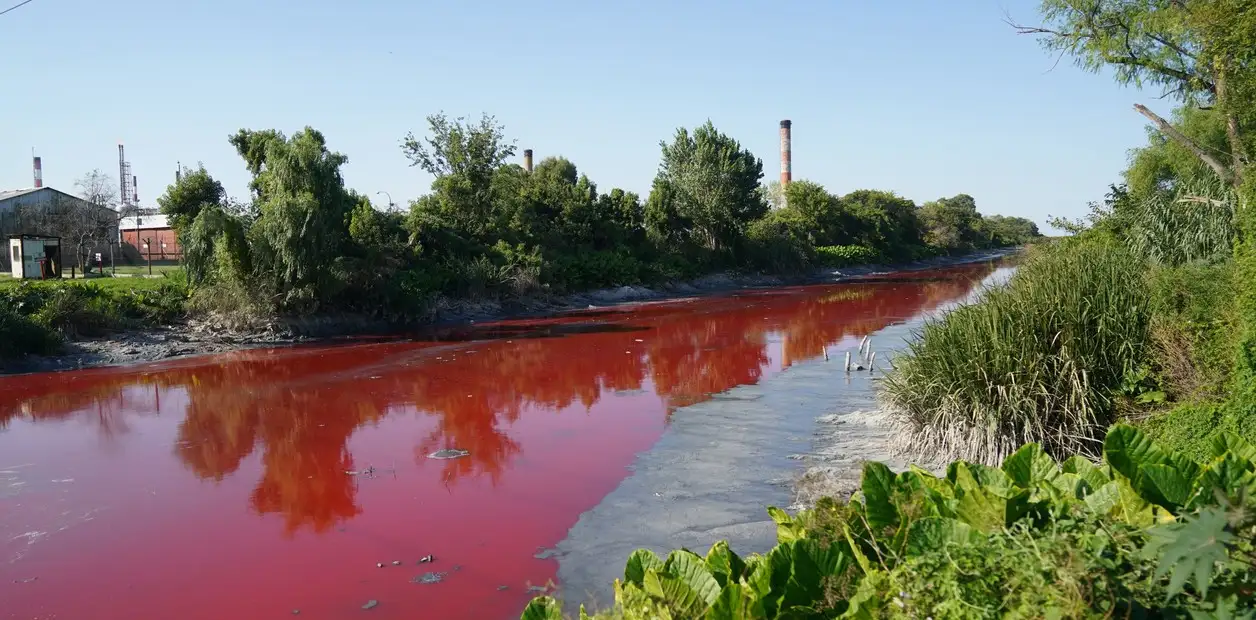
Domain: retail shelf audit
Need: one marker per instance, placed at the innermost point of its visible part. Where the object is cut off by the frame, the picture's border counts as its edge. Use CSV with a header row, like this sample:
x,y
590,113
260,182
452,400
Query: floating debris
x,y
296,612
502,588
425,559
546,554
448,453
396,562
428,578
371,604
379,565
541,589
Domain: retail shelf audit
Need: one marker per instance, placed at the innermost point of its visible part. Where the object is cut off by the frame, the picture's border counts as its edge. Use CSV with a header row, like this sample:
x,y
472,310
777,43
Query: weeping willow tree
x,y
212,227
303,207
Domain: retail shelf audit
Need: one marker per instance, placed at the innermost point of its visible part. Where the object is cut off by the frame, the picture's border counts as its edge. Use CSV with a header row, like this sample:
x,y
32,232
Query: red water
x,y
216,487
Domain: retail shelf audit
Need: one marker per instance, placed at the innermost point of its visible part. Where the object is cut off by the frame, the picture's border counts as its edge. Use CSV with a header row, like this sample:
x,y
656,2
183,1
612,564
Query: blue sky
x,y
922,97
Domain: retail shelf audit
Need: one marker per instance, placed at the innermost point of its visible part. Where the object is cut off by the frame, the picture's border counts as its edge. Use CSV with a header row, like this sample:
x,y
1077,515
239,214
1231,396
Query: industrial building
x,y
85,229
150,237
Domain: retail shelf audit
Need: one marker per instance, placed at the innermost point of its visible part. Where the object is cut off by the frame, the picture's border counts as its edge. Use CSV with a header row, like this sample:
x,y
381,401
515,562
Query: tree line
x,y
304,243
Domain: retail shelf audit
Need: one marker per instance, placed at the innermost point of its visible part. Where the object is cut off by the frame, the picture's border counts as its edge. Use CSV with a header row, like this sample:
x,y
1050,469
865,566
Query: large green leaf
x,y
1072,486
732,604
1127,448
938,495
724,565
977,507
675,593
634,601
933,533
787,528
692,569
1165,485
1228,475
1029,466
992,479
1161,478
542,608
1229,443
757,581
639,562
1094,476
878,494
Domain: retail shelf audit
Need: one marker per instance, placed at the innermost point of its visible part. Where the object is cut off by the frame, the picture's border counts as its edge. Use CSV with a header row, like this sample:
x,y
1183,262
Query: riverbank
x,y
722,460
197,337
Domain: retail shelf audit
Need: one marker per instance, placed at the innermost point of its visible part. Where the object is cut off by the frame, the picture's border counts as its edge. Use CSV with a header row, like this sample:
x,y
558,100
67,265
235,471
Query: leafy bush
x,y
845,255
1036,361
1146,533
595,269
21,336
84,309
778,242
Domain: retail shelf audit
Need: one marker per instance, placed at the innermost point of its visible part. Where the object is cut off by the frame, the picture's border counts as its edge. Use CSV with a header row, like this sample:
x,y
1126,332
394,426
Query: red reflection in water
x,y
97,505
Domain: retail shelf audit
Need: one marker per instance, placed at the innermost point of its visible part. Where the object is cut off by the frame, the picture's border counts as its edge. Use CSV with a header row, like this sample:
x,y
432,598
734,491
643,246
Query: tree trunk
x,y
1237,156
1224,172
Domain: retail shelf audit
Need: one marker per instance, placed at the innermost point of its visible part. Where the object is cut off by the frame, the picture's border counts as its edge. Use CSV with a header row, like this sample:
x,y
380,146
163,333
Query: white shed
x,y
35,257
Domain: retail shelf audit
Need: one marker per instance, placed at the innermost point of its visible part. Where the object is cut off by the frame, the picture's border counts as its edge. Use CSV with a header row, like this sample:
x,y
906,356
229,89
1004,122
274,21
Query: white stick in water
x,y
826,353
868,352
871,358
862,344
848,361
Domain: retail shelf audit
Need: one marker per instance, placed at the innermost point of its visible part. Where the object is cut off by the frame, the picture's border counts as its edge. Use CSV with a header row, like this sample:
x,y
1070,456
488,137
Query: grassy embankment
x,y
38,317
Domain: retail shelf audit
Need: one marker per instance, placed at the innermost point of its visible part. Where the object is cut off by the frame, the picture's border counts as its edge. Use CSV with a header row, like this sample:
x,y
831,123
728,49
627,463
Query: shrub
x,y
1194,327
845,255
778,242
1037,361
595,269
21,336
1146,533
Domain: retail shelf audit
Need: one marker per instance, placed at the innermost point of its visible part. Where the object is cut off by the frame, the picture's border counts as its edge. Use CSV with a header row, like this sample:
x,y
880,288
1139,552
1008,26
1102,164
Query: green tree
x,y
1202,52
889,223
303,212
820,213
208,240
193,191
951,224
468,163
1164,163
706,191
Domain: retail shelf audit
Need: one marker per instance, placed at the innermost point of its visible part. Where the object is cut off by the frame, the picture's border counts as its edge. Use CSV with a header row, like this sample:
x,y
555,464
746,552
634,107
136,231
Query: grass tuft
x,y
1036,361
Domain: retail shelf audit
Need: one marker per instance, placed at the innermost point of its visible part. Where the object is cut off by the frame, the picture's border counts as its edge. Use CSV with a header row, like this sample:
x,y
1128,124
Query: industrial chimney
x,y
178,171
39,173
527,160
786,159
135,189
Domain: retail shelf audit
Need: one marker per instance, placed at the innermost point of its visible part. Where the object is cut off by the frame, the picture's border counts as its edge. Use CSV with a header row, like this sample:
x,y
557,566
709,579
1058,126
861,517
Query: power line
x,y
17,6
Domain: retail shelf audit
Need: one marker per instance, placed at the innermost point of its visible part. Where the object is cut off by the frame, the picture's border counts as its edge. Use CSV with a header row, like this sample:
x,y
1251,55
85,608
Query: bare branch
x,y
1220,169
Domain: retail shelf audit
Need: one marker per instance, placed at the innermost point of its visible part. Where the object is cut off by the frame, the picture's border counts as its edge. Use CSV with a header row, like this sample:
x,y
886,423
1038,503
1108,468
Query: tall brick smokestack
x,y
39,173
527,159
787,171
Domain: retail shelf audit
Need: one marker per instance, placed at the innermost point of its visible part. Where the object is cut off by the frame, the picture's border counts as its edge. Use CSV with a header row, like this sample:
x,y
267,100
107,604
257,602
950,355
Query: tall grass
x,y
1190,223
1036,361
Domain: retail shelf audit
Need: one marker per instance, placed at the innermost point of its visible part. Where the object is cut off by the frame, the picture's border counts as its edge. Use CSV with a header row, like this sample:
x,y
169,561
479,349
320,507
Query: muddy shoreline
x,y
784,441
194,337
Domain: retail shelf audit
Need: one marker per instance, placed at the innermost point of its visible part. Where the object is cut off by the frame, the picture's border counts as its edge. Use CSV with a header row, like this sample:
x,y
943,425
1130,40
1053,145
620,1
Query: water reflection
x,y
296,409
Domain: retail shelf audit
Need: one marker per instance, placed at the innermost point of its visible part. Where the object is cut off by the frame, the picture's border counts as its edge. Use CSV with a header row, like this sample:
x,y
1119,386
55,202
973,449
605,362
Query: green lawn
x,y
111,284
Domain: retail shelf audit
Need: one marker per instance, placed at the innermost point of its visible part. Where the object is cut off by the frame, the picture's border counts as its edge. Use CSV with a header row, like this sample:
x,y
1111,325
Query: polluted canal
x,y
452,475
